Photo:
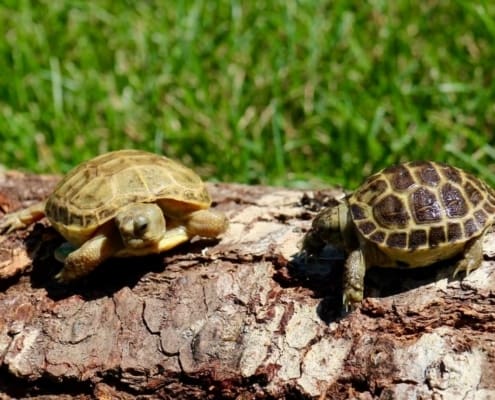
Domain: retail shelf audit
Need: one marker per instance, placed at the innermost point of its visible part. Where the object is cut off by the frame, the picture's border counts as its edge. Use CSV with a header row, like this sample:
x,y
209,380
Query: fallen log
x,y
239,317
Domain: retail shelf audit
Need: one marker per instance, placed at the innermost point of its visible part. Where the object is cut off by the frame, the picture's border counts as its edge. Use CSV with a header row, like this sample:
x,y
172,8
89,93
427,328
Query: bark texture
x,y
242,317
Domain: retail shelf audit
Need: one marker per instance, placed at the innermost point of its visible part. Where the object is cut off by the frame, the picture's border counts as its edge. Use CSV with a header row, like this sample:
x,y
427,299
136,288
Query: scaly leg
x,y
91,254
169,240
353,279
22,218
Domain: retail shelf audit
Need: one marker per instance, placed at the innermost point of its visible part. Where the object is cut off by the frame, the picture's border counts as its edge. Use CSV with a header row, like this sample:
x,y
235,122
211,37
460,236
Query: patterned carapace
x,y
94,192
421,205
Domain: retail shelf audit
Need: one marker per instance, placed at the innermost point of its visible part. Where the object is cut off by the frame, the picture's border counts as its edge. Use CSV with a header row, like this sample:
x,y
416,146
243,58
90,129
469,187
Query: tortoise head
x,y
140,225
330,226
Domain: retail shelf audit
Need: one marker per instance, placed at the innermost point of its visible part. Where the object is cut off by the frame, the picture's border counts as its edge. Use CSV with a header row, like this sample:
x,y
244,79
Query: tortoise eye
x,y
140,224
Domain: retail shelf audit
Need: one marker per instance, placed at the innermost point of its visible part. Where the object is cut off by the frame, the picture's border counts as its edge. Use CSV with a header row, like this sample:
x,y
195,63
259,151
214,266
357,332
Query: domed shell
x,y
417,206
93,192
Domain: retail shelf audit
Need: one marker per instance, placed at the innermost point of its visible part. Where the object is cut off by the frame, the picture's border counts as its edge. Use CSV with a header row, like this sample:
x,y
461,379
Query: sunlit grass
x,y
290,93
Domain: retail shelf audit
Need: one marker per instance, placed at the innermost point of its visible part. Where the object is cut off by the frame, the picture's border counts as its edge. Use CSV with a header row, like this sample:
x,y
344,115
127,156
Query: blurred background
x,y
295,93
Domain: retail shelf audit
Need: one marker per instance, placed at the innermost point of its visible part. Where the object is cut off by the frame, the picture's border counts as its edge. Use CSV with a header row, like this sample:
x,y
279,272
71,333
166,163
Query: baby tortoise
x,y
123,203
409,215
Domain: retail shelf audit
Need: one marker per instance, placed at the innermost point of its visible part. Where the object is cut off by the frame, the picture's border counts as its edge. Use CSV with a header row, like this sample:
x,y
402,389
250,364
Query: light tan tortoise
x,y
409,215
123,203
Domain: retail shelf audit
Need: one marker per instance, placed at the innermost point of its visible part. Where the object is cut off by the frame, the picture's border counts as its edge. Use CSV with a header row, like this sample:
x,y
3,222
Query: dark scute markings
x,y
454,232
451,173
366,227
391,212
378,237
400,177
491,200
470,227
489,208
357,212
417,238
371,189
426,173
481,217
77,220
425,206
453,201
189,194
397,240
62,215
473,194
131,198
105,213
89,219
436,236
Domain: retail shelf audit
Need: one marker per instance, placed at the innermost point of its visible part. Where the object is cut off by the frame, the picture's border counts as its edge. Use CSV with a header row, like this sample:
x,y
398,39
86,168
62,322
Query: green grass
x,y
296,93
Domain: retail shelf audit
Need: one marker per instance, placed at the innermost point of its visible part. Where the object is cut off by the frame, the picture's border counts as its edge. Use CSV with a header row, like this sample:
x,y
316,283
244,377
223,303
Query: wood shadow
x,y
323,276
109,277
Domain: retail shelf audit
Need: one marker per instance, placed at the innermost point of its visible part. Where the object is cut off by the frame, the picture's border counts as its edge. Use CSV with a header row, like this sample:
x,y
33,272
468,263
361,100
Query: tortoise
x,y
122,203
408,215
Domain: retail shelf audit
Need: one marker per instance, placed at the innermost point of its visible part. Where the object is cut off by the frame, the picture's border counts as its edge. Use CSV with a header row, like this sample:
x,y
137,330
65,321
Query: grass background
x,y
296,93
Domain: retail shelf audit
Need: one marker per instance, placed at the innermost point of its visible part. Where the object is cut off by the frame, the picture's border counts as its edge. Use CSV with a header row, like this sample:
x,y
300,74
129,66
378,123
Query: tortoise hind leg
x,y
22,218
92,253
473,256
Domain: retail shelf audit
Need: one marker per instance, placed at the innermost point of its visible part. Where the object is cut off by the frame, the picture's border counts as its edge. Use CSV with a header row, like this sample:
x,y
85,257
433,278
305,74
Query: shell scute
x,y
481,217
367,227
489,208
453,201
378,237
436,236
358,212
473,194
391,212
400,177
397,240
93,195
470,227
450,173
454,231
417,238
425,207
377,186
427,174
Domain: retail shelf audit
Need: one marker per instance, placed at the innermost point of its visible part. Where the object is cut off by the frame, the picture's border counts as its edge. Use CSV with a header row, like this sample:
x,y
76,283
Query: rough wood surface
x,y
241,317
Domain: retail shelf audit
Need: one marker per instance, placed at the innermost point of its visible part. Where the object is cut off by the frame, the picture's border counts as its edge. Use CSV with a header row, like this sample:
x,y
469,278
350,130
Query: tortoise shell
x,y
93,192
409,209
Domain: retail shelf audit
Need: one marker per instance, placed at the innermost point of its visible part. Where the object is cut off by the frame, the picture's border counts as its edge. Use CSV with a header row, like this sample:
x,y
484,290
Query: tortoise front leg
x,y
353,279
93,252
169,240
22,218
206,223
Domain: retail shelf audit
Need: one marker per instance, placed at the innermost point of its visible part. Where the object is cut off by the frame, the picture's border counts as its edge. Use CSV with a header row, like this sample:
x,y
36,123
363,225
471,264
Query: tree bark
x,y
241,317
